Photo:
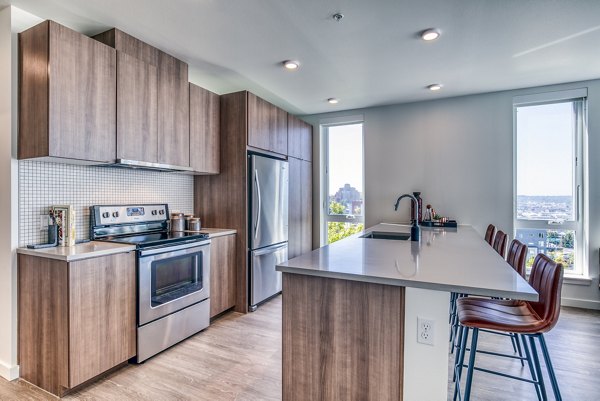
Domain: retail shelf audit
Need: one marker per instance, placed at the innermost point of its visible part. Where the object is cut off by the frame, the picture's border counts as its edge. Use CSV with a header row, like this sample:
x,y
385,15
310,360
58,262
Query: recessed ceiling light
x,y
333,100
291,64
434,87
430,34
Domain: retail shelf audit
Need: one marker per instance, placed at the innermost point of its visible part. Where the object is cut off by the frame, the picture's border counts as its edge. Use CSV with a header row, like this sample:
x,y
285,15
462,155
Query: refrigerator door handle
x,y
270,249
257,224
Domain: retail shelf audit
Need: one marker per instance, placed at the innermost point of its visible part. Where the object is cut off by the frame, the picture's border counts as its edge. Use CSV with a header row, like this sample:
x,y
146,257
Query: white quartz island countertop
x,y
445,259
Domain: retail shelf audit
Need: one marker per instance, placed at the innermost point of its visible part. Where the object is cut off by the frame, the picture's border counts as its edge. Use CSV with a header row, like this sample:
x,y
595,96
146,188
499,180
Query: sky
x,y
545,148
345,157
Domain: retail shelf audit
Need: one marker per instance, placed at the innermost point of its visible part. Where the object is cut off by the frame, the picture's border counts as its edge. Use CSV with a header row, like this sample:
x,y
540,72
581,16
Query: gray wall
x,y
458,152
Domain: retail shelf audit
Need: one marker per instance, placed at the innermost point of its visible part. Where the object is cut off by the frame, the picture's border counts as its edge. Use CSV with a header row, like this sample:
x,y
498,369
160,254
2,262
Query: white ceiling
x,y
372,57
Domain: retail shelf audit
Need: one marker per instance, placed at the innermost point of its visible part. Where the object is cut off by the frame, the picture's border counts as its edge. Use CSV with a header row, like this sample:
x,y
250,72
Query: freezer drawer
x,y
265,280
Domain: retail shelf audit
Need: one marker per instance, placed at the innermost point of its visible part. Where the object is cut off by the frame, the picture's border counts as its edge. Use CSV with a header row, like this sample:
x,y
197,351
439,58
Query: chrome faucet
x,y
415,231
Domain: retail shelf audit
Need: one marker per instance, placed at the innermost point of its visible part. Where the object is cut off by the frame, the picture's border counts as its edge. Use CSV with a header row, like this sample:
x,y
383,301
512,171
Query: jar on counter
x,y
177,223
193,224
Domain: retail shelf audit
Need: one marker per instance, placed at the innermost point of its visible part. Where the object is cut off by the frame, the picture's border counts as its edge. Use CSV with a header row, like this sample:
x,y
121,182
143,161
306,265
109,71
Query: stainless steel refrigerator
x,y
268,228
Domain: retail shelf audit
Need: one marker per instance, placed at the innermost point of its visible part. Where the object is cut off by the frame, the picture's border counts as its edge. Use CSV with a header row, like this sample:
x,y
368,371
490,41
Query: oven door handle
x,y
172,248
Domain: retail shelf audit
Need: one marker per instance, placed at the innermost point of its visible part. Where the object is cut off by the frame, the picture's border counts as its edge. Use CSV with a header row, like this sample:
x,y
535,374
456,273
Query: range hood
x,y
150,166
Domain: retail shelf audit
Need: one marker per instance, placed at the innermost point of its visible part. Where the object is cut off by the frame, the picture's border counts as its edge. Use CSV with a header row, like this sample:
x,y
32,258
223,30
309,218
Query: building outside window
x,y
549,176
343,197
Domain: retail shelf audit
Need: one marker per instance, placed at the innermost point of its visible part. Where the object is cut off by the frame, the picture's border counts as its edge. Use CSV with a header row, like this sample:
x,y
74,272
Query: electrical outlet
x,y
425,331
43,222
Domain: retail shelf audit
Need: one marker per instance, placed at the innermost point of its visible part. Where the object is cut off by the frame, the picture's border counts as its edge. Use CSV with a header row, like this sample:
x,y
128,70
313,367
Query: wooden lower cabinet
x,y
76,319
222,274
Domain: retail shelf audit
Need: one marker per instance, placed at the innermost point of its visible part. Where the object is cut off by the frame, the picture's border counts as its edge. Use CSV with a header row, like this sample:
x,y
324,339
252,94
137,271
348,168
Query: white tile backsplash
x,y
42,184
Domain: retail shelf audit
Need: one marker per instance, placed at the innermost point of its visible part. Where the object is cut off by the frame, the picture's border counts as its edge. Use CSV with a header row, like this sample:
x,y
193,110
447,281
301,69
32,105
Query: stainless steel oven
x,y
172,278
173,271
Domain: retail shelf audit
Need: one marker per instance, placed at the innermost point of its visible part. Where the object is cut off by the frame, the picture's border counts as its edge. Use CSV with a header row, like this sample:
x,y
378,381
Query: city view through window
x,y
345,203
546,181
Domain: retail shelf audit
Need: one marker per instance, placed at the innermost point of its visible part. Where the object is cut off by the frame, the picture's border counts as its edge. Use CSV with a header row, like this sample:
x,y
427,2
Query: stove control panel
x,y
107,215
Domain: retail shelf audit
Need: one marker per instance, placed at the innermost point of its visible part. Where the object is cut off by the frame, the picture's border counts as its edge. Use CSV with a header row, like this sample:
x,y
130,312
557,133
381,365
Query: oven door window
x,y
176,277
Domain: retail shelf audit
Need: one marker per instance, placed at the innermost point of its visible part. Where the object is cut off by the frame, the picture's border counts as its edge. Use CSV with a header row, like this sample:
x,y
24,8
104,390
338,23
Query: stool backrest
x,y
500,243
489,234
546,278
517,256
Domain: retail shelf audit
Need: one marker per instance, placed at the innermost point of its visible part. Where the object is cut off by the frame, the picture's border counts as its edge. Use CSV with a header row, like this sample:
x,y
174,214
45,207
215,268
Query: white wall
x,y
8,318
458,152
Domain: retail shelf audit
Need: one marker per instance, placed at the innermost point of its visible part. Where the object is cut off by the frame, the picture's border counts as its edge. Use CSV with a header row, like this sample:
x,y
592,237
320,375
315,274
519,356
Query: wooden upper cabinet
x,y
204,130
172,139
123,42
173,111
67,91
137,109
267,126
299,139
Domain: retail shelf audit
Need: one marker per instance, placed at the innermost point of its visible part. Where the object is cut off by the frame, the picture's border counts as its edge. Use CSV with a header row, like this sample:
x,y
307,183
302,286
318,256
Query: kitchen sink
x,y
387,235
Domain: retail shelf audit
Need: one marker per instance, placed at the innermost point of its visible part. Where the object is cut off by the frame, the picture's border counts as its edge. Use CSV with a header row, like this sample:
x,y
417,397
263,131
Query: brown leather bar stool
x,y
489,234
528,319
500,241
517,256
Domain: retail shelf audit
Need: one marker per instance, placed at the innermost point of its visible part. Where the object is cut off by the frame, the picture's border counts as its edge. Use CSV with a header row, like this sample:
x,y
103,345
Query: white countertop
x,y
453,260
218,232
96,249
87,250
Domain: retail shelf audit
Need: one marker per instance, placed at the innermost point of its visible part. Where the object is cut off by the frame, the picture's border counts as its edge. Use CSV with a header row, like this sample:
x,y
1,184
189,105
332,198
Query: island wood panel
x,y
267,125
222,274
221,200
204,130
137,112
173,111
33,91
299,138
102,315
43,346
67,90
295,208
342,340
82,93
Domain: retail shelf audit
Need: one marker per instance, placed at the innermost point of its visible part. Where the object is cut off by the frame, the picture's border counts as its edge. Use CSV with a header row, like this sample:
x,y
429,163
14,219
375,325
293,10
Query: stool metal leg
x,y
461,359
472,354
538,368
531,368
461,333
550,368
518,343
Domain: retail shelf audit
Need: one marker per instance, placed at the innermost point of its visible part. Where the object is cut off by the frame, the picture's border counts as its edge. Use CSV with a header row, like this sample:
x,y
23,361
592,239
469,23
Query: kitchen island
x,y
350,312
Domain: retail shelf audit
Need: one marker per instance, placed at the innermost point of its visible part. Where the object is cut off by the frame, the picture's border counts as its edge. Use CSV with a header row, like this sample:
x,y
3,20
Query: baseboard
x,y
581,303
9,372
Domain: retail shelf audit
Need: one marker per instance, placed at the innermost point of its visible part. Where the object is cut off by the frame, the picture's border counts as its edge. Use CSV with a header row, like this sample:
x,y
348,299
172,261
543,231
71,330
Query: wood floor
x,y
239,359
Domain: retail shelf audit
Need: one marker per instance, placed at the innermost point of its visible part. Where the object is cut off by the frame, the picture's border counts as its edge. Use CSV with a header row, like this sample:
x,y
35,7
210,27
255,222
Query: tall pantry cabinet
x,y
251,124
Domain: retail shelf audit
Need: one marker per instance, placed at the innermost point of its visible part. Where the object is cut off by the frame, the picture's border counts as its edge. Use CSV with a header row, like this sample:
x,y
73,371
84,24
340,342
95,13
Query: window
x,y
548,204
343,197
